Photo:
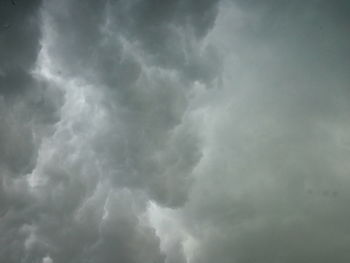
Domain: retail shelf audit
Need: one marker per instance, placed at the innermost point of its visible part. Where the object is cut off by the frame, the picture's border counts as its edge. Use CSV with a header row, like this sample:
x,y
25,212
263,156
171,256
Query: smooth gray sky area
x,y
174,131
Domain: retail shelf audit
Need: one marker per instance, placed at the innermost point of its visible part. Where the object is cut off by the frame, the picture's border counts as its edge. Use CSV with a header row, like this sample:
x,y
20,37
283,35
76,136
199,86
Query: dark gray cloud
x,y
149,101
96,123
27,108
19,44
174,131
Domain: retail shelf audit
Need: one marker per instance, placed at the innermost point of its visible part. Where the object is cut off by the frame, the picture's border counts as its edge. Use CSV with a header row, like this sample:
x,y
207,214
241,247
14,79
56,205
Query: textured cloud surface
x,y
178,131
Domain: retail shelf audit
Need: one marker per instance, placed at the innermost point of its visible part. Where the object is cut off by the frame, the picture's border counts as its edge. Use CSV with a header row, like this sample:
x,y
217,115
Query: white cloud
x,y
47,259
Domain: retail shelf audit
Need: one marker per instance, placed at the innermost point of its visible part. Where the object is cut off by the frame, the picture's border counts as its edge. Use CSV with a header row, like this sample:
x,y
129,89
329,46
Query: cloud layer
x,y
174,131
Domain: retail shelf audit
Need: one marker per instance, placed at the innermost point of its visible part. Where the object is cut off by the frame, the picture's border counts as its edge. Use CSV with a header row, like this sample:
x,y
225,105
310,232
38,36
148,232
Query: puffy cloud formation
x,y
178,131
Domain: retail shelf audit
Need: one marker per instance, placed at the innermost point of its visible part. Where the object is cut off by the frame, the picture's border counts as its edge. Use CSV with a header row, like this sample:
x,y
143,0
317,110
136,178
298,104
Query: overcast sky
x,y
174,131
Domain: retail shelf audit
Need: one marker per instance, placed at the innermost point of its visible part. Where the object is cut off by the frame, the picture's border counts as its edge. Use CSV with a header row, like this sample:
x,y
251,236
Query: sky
x,y
174,131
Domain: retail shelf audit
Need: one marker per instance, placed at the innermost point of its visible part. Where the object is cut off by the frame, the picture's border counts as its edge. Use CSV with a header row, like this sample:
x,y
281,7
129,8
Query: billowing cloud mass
x,y
174,131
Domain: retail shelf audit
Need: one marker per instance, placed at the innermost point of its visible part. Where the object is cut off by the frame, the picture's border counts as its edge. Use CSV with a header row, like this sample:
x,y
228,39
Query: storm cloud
x,y
176,131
